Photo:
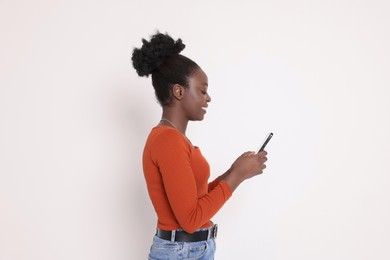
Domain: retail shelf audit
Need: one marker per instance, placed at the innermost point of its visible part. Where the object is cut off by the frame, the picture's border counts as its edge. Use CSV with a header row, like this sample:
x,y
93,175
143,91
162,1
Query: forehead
x,y
198,78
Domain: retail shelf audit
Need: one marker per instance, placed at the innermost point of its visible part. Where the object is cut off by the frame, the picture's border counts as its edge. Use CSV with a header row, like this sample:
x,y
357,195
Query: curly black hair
x,y
160,57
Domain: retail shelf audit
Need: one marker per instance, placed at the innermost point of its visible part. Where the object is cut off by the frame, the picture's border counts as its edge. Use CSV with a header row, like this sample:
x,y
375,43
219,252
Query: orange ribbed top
x,y
176,175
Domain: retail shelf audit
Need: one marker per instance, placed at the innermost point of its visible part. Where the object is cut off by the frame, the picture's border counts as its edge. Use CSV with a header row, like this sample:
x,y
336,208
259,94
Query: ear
x,y
177,91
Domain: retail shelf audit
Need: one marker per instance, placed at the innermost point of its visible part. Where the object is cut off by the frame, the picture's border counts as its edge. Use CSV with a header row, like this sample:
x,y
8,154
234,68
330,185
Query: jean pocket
x,y
164,250
197,250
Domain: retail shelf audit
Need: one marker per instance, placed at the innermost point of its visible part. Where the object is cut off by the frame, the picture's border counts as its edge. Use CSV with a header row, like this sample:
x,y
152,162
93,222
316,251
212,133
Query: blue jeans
x,y
166,250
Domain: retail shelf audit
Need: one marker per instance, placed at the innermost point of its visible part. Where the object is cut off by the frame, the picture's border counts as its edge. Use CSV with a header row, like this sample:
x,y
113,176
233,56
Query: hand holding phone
x,y
265,143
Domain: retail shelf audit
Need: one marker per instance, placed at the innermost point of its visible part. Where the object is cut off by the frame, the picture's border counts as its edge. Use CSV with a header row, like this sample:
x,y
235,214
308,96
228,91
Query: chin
x,y
199,118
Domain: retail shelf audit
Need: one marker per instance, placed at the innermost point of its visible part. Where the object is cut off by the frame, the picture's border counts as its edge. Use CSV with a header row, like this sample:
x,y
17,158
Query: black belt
x,y
182,236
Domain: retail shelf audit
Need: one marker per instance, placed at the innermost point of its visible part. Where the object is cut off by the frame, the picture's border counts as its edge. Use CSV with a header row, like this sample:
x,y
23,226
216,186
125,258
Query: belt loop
x,y
173,234
215,230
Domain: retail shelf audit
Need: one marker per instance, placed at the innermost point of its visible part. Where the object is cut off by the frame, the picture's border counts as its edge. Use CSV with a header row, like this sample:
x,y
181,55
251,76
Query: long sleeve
x,y
213,184
184,175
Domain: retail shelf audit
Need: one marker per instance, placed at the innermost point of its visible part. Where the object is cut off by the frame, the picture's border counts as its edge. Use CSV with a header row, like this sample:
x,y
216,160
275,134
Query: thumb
x,y
248,153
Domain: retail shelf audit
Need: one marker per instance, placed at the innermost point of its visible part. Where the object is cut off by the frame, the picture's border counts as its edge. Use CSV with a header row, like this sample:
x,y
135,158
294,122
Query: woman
x,y
175,171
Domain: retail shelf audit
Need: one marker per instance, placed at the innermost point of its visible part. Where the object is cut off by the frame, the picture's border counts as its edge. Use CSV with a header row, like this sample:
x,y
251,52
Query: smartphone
x,y
265,142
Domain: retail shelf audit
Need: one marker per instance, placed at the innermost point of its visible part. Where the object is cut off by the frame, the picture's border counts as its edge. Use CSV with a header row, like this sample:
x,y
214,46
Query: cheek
x,y
196,98
200,100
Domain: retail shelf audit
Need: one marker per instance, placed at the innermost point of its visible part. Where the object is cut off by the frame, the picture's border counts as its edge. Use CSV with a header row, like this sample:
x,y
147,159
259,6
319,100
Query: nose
x,y
208,98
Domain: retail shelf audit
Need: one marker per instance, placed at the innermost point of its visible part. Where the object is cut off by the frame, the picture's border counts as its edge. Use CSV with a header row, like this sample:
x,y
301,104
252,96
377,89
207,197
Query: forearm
x,y
231,179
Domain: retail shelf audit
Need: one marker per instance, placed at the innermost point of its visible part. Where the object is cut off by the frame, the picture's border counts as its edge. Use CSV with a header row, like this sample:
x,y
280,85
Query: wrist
x,y
223,176
233,180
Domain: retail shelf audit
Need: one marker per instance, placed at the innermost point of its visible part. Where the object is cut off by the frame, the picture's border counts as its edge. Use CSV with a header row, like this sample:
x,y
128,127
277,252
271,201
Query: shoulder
x,y
166,132
167,138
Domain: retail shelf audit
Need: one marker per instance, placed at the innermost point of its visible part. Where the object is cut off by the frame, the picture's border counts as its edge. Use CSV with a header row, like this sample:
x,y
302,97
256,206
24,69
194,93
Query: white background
x,y
74,117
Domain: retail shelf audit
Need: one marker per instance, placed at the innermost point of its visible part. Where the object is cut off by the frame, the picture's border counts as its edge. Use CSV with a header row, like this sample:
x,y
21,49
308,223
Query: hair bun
x,y
153,53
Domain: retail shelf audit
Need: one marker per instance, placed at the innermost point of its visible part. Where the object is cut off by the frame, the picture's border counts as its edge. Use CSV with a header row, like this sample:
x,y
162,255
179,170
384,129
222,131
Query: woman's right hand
x,y
246,166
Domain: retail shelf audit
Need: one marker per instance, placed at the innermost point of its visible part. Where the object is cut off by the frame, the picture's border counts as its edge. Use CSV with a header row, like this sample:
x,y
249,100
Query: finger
x,y
263,159
261,169
262,154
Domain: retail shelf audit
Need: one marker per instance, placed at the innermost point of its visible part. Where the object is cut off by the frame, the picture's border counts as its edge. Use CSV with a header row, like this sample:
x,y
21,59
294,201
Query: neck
x,y
175,121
